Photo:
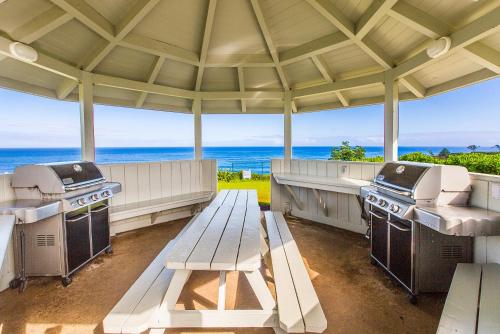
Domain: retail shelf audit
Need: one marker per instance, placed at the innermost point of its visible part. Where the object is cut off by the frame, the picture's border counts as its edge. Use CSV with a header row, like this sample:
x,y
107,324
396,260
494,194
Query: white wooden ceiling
x,y
241,55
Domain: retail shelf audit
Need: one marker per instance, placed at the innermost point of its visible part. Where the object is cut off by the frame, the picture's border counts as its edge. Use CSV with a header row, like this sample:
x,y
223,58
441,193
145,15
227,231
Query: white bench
x,y
135,310
299,309
131,210
473,301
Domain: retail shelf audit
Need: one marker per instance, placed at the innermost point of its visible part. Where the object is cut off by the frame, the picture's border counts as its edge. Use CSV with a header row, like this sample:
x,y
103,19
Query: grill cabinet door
x,y
77,240
400,251
100,228
379,235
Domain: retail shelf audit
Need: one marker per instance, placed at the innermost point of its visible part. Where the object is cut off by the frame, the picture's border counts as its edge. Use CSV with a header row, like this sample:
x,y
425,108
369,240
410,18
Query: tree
x,y
498,147
347,153
473,148
444,153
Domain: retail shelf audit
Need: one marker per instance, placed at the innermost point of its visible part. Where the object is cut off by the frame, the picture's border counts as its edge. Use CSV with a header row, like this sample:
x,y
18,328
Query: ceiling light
x,y
439,47
23,52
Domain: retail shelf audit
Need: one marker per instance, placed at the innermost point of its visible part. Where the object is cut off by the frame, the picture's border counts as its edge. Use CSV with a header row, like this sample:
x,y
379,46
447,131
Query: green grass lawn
x,y
263,188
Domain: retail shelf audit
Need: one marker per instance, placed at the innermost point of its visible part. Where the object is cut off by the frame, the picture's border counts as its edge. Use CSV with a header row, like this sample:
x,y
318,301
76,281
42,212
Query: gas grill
x,y
421,225
62,218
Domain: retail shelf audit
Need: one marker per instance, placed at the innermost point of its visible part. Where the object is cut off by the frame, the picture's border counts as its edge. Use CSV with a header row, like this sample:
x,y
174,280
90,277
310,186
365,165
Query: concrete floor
x,y
356,296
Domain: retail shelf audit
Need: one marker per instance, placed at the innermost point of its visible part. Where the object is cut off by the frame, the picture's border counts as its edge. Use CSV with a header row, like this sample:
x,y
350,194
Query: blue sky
x,y
459,118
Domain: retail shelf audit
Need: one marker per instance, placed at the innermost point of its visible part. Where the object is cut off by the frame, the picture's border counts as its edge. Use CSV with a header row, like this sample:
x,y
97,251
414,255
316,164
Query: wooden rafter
x,y
373,14
153,74
271,47
241,83
325,71
40,26
132,18
484,56
418,20
207,33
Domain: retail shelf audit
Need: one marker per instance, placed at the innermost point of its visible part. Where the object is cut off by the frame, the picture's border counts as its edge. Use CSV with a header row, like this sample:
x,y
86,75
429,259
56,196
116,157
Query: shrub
x,y
347,153
228,176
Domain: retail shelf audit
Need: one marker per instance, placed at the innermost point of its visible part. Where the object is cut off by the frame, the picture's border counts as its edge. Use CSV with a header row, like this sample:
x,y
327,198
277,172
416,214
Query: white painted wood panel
x,y
143,182
248,259
155,181
166,179
489,312
176,178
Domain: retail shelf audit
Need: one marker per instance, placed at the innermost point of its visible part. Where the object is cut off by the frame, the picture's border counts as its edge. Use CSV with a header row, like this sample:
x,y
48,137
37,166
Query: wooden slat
x,y
249,252
460,309
204,251
187,242
227,250
314,318
289,313
489,307
115,320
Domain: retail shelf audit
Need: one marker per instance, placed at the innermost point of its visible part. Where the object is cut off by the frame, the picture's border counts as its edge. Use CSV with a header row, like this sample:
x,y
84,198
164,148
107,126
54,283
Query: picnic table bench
x,y
472,302
225,236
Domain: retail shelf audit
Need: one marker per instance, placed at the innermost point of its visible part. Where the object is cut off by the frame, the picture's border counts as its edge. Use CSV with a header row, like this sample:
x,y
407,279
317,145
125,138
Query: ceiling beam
x,y
44,62
484,56
40,26
461,38
419,20
207,33
325,71
271,47
468,79
413,86
132,18
377,10
313,48
158,48
328,88
341,22
153,74
241,83
88,16
239,60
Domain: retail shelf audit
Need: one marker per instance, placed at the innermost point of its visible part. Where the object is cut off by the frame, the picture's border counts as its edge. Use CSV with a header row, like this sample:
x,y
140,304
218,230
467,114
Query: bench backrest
x,y
152,180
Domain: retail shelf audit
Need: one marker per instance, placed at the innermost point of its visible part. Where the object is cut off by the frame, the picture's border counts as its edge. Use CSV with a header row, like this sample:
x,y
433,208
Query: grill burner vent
x,y
45,240
451,252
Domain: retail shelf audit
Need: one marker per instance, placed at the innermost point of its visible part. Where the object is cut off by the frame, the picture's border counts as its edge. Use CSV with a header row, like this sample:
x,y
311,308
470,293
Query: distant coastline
x,y
254,157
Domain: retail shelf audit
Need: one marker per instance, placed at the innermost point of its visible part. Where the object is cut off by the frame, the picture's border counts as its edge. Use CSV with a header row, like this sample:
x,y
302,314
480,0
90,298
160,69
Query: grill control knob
x,y
372,198
382,202
94,197
81,201
395,208
105,193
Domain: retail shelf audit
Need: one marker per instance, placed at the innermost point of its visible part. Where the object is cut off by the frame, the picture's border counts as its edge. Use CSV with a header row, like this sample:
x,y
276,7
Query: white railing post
x,y
287,120
391,118
86,97
197,128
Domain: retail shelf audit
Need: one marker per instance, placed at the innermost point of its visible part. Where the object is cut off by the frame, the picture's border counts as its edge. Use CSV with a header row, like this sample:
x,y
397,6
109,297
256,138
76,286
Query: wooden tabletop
x,y
342,185
225,236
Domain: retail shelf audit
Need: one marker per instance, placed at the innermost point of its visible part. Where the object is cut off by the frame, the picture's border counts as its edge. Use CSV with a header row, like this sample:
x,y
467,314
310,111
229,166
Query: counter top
x,y
342,185
30,210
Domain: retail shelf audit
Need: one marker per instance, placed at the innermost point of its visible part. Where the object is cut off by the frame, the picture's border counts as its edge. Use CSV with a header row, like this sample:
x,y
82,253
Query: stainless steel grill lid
x,y
401,176
57,178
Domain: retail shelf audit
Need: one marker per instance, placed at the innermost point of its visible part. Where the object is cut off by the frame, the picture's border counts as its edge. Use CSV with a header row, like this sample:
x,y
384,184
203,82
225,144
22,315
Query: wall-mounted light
x,y
439,47
23,52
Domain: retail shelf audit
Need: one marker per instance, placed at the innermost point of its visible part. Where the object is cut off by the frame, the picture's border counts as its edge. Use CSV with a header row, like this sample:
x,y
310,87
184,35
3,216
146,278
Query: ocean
x,y
256,159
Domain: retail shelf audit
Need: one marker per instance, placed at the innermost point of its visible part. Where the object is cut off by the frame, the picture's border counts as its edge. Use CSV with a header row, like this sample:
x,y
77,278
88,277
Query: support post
x,y
391,118
86,97
287,120
197,128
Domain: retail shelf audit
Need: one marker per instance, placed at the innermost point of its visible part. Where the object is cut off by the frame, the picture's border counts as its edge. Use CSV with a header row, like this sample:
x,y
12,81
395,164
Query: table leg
x,y
260,289
174,290
221,302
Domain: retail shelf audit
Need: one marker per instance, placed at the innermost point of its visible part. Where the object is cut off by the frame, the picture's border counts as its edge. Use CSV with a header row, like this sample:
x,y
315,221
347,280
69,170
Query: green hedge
x,y
228,176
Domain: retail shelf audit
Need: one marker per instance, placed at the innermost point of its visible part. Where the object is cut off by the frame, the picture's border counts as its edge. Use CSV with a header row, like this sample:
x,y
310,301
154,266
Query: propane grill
x,y
62,218
421,225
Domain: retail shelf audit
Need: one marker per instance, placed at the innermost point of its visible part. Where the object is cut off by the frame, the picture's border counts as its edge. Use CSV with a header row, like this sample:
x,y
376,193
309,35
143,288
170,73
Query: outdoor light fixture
x,y
439,47
23,52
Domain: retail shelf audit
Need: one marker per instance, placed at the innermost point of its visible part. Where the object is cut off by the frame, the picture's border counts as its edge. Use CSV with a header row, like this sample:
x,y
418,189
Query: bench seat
x,y
136,209
136,309
472,304
299,309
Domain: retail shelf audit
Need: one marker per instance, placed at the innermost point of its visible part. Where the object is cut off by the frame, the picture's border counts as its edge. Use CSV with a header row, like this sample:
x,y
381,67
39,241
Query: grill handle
x,y
403,229
376,215
78,218
101,208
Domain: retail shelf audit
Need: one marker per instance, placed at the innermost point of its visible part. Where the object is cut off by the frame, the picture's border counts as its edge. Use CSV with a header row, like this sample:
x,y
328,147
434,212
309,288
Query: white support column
x,y
287,120
86,97
391,118
197,128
